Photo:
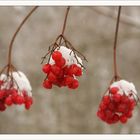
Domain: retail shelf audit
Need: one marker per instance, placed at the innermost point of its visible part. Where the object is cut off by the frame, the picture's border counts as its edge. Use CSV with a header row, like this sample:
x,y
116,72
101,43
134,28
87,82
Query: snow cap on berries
x,y
15,89
118,103
125,87
62,69
3,77
68,55
22,81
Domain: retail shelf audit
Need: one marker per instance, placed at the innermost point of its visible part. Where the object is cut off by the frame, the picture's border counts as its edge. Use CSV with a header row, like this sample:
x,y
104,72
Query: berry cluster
x,y
61,72
15,90
8,97
116,106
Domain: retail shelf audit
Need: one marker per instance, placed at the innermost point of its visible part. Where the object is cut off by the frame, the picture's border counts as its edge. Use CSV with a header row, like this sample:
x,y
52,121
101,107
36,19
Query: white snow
x,y
20,81
125,87
3,77
68,56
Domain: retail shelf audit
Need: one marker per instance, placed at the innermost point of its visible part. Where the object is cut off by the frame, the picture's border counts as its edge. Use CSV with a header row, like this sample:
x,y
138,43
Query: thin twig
x,y
65,20
15,34
115,43
64,24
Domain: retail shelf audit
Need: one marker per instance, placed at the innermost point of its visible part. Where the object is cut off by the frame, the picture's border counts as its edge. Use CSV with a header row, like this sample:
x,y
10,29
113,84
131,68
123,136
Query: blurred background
x,y
91,31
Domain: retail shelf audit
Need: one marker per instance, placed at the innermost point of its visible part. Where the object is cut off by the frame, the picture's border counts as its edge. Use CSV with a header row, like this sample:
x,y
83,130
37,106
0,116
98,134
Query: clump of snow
x,y
20,82
68,55
125,87
3,77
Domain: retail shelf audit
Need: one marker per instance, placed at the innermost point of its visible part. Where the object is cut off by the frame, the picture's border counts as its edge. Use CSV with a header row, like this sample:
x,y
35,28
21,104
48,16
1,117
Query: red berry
x,y
69,80
24,93
55,69
14,92
74,84
1,82
63,83
111,106
79,72
2,107
103,106
123,119
117,97
66,69
61,62
132,104
61,74
122,108
108,113
52,77
47,84
8,101
132,101
114,90
19,100
27,105
106,99
115,118
28,102
101,115
71,70
8,92
56,56
2,93
109,121
128,114
125,99
46,68
75,70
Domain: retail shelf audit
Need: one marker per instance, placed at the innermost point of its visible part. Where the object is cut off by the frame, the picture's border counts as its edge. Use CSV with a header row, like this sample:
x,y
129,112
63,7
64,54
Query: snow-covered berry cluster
x,y
62,69
15,89
119,102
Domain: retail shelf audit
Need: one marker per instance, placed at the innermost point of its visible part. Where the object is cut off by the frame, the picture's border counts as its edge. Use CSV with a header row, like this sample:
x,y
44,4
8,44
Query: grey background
x,y
91,31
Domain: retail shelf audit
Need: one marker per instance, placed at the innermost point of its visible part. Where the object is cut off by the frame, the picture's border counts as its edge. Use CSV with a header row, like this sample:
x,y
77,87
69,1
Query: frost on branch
x,y
118,103
15,89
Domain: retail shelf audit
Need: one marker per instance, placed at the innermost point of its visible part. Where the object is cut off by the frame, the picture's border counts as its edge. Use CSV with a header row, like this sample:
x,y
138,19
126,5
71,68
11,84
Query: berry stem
x,y
14,36
65,20
115,43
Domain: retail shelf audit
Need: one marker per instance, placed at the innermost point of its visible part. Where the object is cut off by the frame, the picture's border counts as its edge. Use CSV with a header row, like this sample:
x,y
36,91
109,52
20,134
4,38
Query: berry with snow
x,y
56,56
16,90
62,69
118,103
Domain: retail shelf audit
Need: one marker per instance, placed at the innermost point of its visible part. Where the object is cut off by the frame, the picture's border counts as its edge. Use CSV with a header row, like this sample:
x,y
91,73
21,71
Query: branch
x,y
115,43
15,34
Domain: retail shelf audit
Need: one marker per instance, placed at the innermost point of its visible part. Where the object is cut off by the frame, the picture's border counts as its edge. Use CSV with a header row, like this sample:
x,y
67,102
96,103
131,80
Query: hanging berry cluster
x,y
62,69
120,99
118,102
15,89
63,64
